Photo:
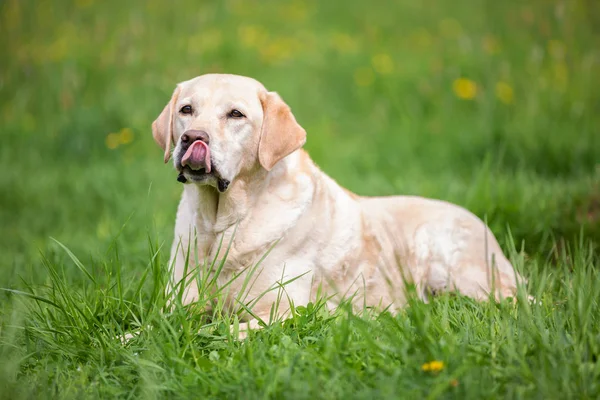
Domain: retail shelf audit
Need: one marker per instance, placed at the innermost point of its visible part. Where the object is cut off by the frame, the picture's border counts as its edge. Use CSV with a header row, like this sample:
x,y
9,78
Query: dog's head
x,y
224,126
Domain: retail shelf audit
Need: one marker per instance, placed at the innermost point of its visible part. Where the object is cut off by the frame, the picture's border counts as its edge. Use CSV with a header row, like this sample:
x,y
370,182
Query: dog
x,y
251,190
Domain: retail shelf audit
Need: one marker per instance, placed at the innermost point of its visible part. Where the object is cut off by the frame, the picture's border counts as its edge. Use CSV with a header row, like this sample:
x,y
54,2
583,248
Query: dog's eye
x,y
236,114
186,110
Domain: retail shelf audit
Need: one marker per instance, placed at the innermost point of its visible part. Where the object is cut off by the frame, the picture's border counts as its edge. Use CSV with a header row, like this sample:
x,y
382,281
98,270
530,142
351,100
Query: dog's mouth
x,y
196,165
187,175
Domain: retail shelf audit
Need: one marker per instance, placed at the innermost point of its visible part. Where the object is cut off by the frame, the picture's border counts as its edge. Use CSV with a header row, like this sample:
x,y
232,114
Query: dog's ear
x,y
162,127
281,134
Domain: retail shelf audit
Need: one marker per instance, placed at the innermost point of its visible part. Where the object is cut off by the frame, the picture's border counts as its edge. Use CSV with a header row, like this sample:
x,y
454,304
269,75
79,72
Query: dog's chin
x,y
201,177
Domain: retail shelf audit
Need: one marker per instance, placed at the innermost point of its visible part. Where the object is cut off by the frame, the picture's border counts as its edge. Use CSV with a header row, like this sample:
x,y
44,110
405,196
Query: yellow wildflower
x,y
252,35
464,88
279,50
125,136
504,92
433,366
112,140
364,76
382,63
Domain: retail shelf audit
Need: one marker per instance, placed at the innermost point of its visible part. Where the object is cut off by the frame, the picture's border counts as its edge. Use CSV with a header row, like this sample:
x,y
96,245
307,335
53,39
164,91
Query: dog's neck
x,y
216,211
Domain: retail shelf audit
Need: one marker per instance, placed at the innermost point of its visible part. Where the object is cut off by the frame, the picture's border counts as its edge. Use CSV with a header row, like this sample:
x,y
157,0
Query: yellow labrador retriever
x,y
247,181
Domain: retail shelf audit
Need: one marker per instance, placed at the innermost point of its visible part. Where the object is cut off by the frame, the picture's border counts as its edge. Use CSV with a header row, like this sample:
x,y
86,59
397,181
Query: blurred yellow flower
x,y
464,88
490,44
279,50
125,136
504,92
252,35
382,63
112,140
433,366
364,76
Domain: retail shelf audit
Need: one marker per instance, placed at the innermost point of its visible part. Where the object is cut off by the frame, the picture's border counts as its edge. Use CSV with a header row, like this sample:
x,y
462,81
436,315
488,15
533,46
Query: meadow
x,y
491,105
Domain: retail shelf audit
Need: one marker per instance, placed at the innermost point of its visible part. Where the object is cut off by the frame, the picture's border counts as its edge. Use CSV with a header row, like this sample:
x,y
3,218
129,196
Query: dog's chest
x,y
236,248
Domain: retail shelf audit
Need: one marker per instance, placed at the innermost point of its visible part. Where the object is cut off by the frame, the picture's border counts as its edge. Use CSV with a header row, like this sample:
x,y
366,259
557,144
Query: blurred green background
x,y
492,105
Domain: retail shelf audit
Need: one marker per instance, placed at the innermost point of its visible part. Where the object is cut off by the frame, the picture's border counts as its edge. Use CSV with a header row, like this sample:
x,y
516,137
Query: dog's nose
x,y
192,135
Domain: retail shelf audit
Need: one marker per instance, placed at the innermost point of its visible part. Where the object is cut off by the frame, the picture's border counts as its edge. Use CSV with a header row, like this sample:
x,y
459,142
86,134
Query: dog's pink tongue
x,y
197,156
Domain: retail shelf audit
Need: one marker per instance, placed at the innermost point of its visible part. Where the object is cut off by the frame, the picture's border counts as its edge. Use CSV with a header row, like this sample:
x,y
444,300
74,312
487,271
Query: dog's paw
x,y
127,337
241,330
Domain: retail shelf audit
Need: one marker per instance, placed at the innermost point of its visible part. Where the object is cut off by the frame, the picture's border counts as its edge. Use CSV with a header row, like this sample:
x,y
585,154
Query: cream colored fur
x,y
366,248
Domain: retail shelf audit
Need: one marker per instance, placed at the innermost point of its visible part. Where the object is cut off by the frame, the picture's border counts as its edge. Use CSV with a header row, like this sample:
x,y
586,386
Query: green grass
x,y
377,87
